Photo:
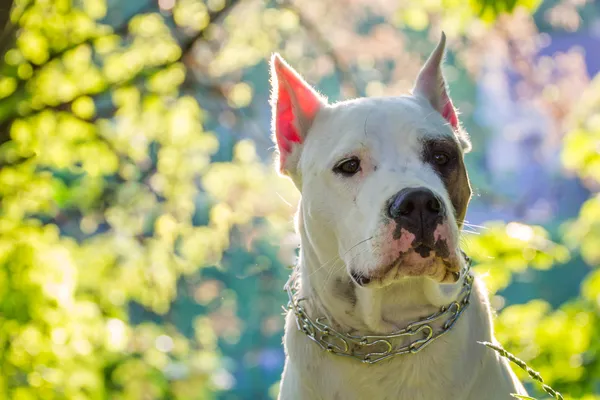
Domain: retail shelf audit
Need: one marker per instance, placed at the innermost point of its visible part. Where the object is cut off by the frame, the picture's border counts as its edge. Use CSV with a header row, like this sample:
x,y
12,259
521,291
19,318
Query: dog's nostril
x,y
406,208
434,205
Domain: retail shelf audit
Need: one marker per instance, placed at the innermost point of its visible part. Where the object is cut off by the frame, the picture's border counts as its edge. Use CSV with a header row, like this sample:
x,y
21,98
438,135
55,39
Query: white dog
x,y
383,305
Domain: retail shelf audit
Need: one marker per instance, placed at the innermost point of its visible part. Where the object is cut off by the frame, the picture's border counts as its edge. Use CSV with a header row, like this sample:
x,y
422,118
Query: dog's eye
x,y
440,158
348,167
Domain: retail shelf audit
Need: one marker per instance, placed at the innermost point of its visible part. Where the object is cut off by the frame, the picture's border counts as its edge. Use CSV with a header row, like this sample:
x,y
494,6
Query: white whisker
x,y
339,257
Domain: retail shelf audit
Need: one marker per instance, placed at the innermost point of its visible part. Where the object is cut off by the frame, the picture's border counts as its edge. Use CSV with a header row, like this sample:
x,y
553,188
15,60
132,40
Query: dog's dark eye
x,y
348,167
441,158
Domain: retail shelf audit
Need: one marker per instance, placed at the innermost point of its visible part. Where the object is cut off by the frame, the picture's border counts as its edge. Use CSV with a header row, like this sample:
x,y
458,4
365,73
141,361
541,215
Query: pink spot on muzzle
x,y
390,248
405,242
442,232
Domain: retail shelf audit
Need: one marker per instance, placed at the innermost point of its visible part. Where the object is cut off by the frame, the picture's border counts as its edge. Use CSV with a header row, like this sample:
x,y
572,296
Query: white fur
x,y
342,227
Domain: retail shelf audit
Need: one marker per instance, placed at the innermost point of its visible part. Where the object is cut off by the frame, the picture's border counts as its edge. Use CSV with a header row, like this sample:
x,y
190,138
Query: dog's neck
x,y
331,293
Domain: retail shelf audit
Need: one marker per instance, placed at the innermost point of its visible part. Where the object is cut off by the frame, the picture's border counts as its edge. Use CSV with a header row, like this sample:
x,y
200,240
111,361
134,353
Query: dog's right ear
x,y
294,105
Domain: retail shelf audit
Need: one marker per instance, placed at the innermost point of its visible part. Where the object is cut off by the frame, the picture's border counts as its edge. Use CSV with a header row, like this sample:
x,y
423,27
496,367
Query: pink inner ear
x,y
303,106
449,113
286,131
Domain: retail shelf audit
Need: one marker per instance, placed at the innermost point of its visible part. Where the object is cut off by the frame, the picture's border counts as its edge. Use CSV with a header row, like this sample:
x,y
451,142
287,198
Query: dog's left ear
x,y
432,86
295,105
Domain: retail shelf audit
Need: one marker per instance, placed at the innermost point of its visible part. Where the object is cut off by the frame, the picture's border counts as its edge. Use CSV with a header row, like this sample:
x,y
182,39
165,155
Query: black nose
x,y
417,205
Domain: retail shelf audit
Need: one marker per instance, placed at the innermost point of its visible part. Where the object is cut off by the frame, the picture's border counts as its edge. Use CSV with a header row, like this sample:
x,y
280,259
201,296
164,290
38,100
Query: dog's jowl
x,y
384,305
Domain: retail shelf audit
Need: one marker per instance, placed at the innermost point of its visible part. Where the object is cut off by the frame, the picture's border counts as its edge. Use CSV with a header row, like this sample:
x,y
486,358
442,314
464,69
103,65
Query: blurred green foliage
x,y
117,195
101,156
458,16
562,343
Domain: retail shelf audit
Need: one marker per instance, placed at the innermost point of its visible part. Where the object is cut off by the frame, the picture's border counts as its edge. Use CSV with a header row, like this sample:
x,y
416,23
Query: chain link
x,y
371,349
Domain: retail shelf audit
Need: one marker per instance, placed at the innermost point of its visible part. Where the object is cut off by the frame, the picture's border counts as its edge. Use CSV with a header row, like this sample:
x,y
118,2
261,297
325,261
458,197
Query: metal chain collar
x,y
371,349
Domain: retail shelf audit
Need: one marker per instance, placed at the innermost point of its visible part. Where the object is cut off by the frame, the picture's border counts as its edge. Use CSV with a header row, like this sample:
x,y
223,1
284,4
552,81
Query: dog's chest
x,y
414,379
435,373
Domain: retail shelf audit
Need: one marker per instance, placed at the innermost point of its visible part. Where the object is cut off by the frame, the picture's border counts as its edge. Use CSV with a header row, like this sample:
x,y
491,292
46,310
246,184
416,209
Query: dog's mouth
x,y
419,261
423,250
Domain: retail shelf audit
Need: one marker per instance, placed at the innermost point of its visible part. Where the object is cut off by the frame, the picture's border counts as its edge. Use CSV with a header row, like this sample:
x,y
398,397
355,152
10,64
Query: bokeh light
x,y
145,236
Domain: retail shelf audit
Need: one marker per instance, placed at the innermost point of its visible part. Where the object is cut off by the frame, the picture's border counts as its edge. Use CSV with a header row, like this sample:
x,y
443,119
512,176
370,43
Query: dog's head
x,y
383,181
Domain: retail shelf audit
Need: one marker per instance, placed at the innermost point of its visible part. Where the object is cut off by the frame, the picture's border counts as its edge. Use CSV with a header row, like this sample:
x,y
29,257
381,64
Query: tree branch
x,y
120,29
213,16
313,31
20,91
7,28
186,47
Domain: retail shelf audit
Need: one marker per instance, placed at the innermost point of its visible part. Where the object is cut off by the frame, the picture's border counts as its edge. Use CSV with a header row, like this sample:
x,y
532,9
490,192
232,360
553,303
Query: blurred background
x,y
145,237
